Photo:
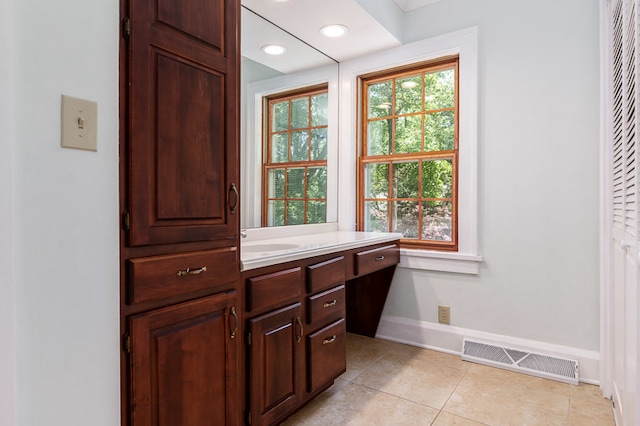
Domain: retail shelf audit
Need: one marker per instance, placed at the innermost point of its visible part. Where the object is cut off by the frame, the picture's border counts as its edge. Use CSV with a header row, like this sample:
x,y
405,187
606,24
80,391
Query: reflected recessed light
x,y
280,1
384,105
273,49
334,30
408,84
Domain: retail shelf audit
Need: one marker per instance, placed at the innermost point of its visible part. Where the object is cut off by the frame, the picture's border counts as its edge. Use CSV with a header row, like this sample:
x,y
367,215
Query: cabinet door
x,y
276,357
184,364
183,121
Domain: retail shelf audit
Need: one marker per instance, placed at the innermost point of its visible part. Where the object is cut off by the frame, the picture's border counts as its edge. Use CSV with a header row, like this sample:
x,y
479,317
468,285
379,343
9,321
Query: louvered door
x,y
624,184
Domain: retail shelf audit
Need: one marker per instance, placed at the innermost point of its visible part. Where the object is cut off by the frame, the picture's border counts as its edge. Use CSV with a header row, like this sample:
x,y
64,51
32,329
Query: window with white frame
x,y
463,45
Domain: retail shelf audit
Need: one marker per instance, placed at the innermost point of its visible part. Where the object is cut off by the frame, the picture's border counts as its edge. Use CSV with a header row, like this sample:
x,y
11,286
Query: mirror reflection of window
x,y
295,157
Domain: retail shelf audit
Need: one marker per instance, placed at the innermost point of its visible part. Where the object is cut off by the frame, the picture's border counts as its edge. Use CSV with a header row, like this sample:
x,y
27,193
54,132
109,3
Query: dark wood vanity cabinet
x,y
179,169
181,121
297,315
276,356
184,364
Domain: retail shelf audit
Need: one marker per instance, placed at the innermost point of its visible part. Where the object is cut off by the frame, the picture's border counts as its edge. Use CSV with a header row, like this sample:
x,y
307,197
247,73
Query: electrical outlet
x,y
444,314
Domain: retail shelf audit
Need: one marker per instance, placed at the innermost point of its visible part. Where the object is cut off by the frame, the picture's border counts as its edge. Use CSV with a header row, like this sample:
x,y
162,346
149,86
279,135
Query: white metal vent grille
x,y
535,364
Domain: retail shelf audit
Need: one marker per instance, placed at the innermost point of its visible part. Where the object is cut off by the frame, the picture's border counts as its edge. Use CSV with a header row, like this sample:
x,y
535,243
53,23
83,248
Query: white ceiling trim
x,y
407,5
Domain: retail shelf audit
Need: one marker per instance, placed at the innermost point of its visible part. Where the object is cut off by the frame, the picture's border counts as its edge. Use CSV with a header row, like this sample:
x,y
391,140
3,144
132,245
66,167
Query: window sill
x,y
440,261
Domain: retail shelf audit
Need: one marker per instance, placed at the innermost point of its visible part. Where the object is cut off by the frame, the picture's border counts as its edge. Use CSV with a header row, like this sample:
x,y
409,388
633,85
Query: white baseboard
x,y
446,338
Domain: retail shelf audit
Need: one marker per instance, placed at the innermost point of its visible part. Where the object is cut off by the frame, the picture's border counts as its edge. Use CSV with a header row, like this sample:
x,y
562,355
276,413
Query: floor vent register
x,y
536,364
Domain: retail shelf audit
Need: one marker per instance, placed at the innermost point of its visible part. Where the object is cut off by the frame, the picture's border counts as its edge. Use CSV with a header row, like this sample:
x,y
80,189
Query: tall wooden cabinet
x,y
179,156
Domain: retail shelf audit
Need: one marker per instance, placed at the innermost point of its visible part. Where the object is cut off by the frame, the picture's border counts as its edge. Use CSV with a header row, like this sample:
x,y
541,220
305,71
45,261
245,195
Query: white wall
x,y
7,335
538,174
65,221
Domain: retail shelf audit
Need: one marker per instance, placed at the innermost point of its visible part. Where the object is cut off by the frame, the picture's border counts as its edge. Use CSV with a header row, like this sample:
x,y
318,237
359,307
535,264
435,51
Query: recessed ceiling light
x,y
273,49
408,84
334,30
280,1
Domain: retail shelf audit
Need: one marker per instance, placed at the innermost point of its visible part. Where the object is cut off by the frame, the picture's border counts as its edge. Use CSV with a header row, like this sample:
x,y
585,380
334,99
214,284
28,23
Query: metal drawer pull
x,y
299,336
191,272
236,200
379,258
329,340
235,327
329,304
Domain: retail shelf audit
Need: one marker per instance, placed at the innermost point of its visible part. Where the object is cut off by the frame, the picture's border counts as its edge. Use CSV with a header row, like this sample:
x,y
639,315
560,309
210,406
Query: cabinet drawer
x,y
273,289
326,274
377,258
327,355
159,277
326,306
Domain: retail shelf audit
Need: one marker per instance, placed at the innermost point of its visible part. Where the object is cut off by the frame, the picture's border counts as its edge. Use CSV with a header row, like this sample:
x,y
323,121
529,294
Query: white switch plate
x,y
79,124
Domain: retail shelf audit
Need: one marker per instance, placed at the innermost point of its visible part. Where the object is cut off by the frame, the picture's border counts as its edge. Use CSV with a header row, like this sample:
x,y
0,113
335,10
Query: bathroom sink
x,y
267,247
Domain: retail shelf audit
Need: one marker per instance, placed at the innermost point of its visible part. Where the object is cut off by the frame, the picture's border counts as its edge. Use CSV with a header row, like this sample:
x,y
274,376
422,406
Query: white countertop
x,y
266,252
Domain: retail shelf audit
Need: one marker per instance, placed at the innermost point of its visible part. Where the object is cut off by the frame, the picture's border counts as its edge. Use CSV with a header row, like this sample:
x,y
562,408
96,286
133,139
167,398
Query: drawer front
x,y
375,259
327,355
159,277
326,274
326,306
273,289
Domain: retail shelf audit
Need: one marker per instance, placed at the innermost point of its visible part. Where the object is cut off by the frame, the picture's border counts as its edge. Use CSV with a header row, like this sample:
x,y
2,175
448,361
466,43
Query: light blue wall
x,y
66,216
538,174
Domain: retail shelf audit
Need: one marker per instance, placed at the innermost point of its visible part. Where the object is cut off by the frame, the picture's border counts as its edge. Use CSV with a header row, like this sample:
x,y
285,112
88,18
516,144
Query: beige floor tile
x,y
588,407
498,397
447,419
389,383
361,352
354,405
415,379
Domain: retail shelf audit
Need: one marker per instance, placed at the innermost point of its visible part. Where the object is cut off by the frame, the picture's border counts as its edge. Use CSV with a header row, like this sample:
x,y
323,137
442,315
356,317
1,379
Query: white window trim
x,y
252,170
463,43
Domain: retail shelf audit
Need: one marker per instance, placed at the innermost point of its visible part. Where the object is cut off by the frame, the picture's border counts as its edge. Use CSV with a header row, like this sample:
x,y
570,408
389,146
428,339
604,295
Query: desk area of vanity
x,y
300,296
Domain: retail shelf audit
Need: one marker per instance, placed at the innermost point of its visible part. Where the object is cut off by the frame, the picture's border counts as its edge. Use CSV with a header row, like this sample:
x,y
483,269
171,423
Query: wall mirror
x,y
264,75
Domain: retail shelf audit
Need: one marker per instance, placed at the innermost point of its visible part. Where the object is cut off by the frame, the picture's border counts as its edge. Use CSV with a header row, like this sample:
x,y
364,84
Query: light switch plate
x,y
79,124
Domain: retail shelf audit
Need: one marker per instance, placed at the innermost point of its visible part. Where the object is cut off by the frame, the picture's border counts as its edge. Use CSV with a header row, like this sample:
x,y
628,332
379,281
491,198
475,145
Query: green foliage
x,y
379,137
420,191
280,148
376,180
319,144
300,113
295,183
408,134
380,96
317,182
437,179
439,90
409,95
320,110
300,145
280,116
438,131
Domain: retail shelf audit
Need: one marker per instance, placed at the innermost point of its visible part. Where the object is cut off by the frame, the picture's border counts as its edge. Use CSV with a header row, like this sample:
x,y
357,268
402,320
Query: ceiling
x,y
303,19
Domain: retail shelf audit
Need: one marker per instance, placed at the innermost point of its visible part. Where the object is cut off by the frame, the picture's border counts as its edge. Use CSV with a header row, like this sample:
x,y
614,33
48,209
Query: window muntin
x,y
409,158
295,167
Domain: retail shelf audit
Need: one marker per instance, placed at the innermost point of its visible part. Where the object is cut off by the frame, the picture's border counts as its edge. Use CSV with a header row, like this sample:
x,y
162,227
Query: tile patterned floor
x,y
388,383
